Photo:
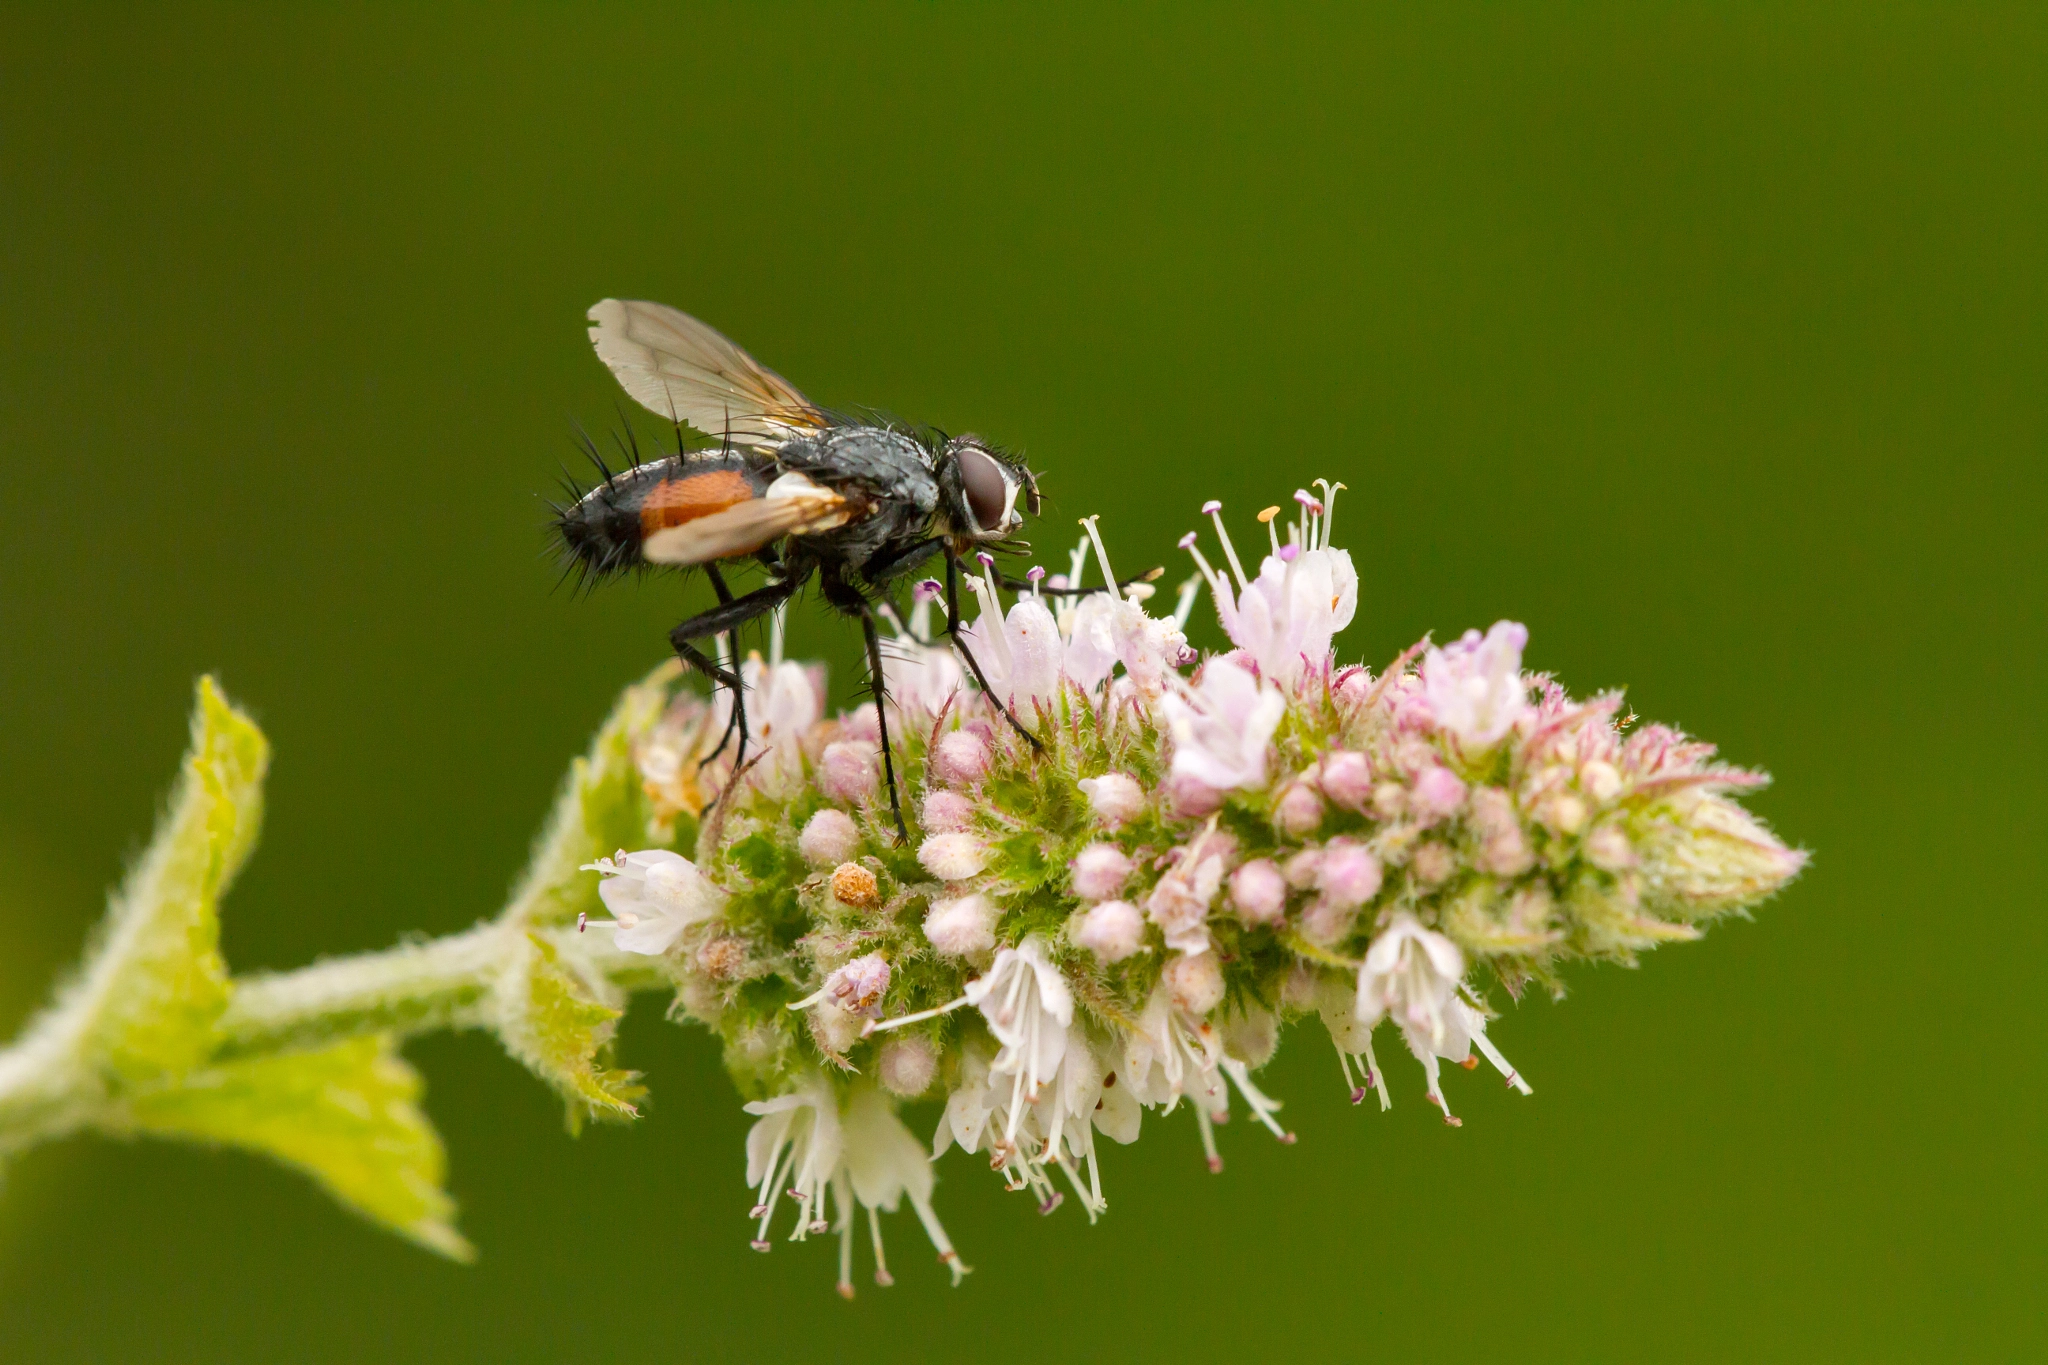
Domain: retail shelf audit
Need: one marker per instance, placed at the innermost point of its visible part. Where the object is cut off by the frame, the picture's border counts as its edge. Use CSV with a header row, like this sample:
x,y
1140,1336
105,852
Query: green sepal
x,y
560,1025
347,1115
602,808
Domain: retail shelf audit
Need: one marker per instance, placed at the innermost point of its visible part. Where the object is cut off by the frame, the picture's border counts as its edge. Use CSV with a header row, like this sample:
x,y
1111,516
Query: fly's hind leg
x,y
725,619
736,722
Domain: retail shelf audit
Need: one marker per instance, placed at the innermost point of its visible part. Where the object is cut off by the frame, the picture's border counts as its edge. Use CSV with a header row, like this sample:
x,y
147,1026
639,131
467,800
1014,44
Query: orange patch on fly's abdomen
x,y
673,502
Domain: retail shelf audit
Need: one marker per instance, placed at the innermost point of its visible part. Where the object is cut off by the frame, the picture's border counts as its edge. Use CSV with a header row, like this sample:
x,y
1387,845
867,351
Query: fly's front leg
x,y
877,682
973,664
851,600
1152,575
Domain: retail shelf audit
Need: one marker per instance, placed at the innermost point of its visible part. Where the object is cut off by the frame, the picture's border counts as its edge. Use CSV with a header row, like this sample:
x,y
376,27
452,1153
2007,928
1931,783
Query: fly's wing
x,y
674,365
792,505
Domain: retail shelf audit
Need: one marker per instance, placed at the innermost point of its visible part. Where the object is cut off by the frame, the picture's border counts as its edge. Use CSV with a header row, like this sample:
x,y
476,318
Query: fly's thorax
x,y
880,464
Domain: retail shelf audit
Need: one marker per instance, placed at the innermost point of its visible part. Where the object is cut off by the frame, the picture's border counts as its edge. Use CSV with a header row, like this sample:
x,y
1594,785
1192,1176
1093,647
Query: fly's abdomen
x,y
602,531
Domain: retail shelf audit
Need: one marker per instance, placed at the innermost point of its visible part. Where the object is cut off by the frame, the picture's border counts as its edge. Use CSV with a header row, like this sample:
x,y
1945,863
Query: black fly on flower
x,y
855,504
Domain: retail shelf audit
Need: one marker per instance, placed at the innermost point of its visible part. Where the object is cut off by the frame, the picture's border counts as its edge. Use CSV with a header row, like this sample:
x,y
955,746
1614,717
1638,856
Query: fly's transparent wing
x,y
677,367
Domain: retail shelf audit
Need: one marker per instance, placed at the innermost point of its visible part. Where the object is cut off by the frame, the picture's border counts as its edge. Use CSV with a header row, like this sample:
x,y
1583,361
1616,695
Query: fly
x,y
808,494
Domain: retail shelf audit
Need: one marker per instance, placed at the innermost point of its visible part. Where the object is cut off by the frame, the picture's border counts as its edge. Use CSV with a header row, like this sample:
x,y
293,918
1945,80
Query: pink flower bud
x,y
1389,800
1100,871
1503,850
1600,781
947,811
1346,778
1259,892
1195,983
1191,798
860,726
1301,868
849,770
1438,793
953,857
906,1066
1353,686
1116,798
1112,930
1433,864
829,838
960,757
1299,811
1608,847
1348,875
962,928
1326,923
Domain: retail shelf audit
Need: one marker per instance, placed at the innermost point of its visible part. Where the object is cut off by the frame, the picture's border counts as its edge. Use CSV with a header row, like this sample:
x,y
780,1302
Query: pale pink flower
x,y
1414,975
1474,687
1305,593
1222,727
857,987
654,896
1180,903
1021,654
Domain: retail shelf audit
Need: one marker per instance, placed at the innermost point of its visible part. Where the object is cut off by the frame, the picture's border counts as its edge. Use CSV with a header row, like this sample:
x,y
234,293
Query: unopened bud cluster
x,y
1121,917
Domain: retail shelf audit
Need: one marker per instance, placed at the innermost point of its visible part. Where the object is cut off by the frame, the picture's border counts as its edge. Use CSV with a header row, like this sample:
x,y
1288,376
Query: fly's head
x,y
981,488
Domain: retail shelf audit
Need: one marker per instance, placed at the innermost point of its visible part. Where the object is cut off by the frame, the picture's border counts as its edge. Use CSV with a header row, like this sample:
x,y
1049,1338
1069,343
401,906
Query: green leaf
x,y
347,1115
602,808
156,982
559,1024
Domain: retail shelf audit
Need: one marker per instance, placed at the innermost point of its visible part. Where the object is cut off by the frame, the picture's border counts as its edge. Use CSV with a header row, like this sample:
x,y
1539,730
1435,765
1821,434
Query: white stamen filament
x,y
883,1026
1229,550
1102,557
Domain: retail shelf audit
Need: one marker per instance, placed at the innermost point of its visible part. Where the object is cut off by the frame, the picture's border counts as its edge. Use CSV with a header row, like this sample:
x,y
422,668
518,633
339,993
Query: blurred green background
x,y
1708,341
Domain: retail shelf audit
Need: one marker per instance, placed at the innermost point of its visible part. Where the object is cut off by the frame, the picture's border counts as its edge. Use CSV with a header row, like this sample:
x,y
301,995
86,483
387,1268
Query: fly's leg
x,y
736,722
974,665
725,619
1017,585
853,602
876,684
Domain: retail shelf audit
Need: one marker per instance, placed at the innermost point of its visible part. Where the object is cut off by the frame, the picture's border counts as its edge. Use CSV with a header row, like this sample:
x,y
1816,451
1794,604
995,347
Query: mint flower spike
x,y
1206,849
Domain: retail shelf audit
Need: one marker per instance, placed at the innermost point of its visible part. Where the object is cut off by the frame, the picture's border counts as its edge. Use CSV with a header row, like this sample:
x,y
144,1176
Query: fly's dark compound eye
x,y
988,492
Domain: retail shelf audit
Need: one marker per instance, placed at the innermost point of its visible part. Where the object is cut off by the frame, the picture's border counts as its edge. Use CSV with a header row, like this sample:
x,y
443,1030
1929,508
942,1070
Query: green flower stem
x,y
446,983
